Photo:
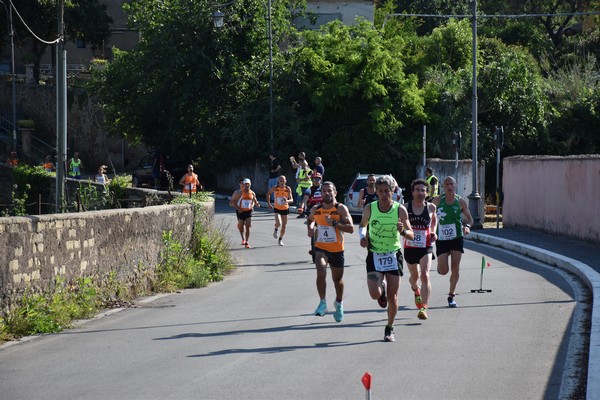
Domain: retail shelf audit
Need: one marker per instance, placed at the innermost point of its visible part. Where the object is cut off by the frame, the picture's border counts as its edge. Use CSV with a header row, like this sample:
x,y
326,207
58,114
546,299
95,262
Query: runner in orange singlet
x,y
244,201
326,223
281,208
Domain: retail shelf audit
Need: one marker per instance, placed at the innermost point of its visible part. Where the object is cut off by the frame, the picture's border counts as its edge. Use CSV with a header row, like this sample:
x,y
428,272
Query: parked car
x,y
142,172
360,182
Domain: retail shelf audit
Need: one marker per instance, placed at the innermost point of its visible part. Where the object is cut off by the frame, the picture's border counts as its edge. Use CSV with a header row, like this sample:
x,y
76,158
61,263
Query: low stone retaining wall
x,y
125,242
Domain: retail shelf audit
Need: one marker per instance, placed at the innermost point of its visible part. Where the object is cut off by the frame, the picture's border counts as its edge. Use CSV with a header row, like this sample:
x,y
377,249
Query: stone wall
x,y
85,133
127,242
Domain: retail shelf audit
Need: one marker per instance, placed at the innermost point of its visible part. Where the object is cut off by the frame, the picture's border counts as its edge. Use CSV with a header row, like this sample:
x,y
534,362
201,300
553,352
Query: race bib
x,y
281,201
385,262
326,234
447,232
420,239
246,204
190,186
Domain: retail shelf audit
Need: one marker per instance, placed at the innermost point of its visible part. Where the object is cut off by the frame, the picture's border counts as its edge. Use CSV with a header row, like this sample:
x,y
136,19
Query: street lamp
x,y
218,21
12,71
474,197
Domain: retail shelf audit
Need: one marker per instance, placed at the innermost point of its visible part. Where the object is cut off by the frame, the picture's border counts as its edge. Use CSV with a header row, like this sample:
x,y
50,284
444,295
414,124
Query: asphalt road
x,y
254,335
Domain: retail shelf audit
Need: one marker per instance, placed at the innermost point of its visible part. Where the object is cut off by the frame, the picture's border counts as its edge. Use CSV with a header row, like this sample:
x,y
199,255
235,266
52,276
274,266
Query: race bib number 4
x,y
326,234
420,239
385,261
447,232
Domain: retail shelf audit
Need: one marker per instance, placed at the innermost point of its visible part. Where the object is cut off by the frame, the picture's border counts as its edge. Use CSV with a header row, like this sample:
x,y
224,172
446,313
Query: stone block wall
x,y
127,242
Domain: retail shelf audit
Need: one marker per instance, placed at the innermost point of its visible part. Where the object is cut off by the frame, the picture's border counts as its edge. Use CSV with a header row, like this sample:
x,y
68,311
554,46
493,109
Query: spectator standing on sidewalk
x,y
48,164
326,223
101,177
387,221
450,231
418,252
303,180
75,166
13,160
274,171
283,197
319,167
433,183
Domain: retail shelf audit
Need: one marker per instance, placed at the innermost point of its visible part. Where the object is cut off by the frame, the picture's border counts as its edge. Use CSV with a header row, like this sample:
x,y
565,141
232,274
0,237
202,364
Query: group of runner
x,y
385,228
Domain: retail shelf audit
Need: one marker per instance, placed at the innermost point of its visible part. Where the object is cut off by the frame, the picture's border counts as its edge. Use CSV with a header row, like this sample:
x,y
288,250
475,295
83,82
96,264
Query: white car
x,y
360,182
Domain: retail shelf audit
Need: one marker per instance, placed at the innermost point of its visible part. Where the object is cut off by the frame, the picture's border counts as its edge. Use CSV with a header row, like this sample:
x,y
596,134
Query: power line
x,y
29,29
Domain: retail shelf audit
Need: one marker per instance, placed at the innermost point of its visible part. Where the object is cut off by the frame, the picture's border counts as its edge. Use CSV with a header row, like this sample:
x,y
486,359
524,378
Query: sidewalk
x,y
578,257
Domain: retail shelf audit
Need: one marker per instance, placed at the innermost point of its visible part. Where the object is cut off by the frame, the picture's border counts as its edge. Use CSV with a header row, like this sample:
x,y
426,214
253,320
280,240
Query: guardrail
x,y
48,69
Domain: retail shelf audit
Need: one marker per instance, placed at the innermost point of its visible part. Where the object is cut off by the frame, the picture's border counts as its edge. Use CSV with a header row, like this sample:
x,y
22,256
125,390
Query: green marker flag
x,y
481,289
484,264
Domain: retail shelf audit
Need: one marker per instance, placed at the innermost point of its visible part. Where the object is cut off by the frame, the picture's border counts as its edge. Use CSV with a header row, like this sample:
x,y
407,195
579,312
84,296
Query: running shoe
x,y
418,302
247,245
382,300
338,314
422,313
321,308
243,242
275,234
389,334
280,242
451,302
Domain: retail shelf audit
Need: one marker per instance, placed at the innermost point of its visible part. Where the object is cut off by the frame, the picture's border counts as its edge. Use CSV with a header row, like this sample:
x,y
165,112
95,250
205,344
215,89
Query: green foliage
x,y
32,182
51,311
19,203
206,259
90,198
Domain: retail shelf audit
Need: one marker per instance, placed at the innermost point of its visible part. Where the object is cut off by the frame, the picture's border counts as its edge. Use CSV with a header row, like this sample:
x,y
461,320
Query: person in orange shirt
x,y
281,208
48,164
326,223
244,202
13,160
190,181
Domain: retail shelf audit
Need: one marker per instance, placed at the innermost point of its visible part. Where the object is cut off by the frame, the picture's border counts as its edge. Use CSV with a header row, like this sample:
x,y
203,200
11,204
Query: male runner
x,y
387,221
326,223
283,198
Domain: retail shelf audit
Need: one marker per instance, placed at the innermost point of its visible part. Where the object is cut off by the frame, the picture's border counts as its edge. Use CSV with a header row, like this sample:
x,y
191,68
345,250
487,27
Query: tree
x,y
189,88
360,106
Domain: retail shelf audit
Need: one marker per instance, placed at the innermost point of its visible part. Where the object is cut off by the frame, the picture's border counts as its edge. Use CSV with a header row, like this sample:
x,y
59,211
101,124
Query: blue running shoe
x,y
338,314
321,308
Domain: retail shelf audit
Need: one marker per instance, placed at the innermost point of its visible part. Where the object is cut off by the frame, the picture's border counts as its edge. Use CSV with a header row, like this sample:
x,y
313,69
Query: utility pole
x,y
61,110
474,197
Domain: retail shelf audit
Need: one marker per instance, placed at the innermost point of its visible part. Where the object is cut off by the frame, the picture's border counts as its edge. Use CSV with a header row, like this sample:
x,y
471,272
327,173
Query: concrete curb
x,y
590,277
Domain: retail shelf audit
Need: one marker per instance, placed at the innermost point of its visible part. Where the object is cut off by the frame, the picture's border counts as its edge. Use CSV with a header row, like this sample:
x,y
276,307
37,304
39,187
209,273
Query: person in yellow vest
x,y
190,181
244,202
303,182
326,224
387,221
433,183
283,198
75,166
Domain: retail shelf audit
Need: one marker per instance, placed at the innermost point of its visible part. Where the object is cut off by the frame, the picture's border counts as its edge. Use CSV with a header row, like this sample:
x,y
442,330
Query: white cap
x,y
246,181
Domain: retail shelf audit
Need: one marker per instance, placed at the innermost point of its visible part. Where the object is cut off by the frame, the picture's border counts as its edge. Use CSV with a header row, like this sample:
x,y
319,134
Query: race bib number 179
x,y
385,261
